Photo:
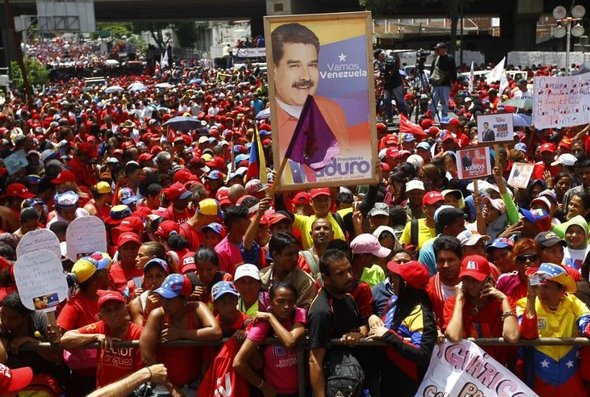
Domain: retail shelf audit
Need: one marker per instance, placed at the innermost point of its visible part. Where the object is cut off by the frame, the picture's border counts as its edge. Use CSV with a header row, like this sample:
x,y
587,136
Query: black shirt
x,y
331,318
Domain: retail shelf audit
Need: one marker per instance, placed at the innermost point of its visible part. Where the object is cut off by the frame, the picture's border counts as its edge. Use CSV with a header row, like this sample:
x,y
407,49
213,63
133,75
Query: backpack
x,y
414,232
344,375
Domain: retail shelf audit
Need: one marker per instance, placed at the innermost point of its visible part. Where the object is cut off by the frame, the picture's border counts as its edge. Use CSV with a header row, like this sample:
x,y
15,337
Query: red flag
x,y
221,379
405,125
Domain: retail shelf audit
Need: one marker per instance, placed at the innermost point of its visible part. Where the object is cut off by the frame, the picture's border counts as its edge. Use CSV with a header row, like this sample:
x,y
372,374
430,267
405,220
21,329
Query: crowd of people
x,y
199,249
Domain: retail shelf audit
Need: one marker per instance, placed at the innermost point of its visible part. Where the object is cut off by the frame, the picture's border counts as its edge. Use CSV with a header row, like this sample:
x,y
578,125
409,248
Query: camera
x,y
536,279
421,56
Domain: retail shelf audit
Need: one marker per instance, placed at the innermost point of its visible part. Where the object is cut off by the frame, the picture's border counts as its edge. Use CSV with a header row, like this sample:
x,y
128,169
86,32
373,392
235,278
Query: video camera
x,y
421,56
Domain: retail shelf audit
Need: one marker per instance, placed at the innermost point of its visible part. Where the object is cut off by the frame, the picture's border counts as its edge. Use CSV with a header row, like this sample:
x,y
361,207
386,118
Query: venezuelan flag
x,y
257,161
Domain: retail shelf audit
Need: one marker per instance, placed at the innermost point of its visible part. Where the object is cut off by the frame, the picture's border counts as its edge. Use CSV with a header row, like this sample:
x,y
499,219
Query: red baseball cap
x,y
166,228
18,190
128,237
433,197
277,217
222,197
131,224
188,263
547,147
109,296
301,198
475,266
183,176
414,273
63,177
322,191
177,191
145,157
13,380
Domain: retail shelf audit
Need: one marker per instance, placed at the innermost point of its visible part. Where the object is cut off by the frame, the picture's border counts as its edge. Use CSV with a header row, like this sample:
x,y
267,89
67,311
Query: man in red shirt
x,y
82,165
124,269
547,152
207,212
114,363
180,197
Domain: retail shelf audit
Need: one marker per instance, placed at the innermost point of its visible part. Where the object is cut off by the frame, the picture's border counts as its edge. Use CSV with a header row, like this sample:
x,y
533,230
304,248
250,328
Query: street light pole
x,y
568,39
564,28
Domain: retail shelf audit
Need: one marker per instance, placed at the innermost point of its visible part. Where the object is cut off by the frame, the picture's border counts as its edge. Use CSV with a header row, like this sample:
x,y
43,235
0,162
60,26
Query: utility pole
x,y
19,54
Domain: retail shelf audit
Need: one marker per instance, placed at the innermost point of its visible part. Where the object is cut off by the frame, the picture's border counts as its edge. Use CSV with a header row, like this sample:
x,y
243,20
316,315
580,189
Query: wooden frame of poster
x,y
342,87
473,162
503,120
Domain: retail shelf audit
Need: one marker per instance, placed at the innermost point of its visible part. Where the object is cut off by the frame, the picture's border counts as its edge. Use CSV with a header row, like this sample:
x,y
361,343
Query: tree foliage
x,y
187,34
115,30
36,71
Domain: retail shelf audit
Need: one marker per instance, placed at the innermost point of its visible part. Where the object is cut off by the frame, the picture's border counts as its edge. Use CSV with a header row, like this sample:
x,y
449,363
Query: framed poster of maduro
x,y
321,89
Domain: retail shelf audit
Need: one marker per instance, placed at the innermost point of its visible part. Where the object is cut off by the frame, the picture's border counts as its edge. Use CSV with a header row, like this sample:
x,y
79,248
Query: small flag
x,y
164,60
405,125
257,161
496,73
313,142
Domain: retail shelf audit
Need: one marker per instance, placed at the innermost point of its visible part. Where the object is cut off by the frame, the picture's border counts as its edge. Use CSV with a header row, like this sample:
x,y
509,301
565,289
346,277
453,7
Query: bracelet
x,y
260,384
505,315
150,379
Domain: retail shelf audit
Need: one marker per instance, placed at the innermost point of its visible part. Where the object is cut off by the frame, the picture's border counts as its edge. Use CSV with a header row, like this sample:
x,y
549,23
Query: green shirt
x,y
373,275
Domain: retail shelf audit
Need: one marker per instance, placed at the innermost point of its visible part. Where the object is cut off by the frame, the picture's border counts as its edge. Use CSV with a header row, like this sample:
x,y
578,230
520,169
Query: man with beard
x,y
333,314
321,234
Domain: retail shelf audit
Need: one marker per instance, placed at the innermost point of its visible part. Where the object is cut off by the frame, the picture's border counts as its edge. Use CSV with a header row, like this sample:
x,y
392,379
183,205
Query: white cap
x,y
414,184
469,238
566,159
247,270
415,160
203,139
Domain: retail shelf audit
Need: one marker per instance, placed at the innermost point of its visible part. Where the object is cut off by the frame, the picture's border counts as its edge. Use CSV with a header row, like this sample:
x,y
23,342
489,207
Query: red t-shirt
x,y
120,276
78,312
192,236
539,170
364,299
119,362
175,216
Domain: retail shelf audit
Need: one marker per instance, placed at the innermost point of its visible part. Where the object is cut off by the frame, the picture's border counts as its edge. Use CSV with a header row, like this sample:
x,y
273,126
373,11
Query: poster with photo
x,y
474,163
321,89
520,175
494,128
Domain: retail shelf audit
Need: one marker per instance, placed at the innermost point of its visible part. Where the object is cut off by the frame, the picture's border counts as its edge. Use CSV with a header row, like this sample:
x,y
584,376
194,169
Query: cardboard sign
x,y
40,239
520,175
40,280
473,163
84,236
561,101
15,162
494,128
464,369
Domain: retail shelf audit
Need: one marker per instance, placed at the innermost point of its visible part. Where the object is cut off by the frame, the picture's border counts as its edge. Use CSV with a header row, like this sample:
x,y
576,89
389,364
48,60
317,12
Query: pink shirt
x,y
280,364
229,255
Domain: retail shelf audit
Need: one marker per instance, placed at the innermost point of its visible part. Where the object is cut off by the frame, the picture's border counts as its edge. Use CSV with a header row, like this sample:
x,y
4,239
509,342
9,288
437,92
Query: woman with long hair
x,y
287,323
155,272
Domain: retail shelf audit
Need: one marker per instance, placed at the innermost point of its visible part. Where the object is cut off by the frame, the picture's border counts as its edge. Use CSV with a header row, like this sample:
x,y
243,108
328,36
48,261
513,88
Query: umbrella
x,y
183,123
137,87
111,62
519,103
164,85
263,114
195,81
521,120
113,88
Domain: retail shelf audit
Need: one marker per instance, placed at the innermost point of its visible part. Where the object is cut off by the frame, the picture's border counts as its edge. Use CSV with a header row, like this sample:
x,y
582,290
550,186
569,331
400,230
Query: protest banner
x,y
15,162
473,163
40,280
40,239
84,236
465,370
322,99
561,101
495,128
520,175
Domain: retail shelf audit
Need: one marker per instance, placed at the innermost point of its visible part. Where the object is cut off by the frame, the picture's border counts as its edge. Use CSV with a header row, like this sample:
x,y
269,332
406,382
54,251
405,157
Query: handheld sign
x,y
493,128
473,163
84,236
520,175
40,280
40,239
15,162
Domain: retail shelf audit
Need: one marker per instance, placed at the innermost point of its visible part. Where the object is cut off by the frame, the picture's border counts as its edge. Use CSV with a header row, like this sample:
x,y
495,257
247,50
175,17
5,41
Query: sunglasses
x,y
526,258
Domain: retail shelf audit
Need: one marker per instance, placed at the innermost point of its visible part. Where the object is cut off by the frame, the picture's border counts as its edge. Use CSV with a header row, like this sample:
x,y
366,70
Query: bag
x,y
221,379
438,76
149,390
81,358
414,232
344,375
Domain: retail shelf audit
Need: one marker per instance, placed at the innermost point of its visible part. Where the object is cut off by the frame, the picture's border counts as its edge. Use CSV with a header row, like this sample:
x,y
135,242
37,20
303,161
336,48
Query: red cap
x,y
475,266
432,197
63,177
177,191
128,237
413,273
322,191
18,190
188,263
13,380
131,224
167,227
87,149
222,197
454,122
109,296
426,123
301,198
145,157
547,147
276,218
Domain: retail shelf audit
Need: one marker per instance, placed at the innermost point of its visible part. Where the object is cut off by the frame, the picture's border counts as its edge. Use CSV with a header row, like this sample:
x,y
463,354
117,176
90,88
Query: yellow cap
x,y
102,187
208,206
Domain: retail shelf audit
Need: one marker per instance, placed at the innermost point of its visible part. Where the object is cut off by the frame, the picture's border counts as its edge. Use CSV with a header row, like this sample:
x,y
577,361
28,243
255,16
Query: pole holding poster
x,y
321,90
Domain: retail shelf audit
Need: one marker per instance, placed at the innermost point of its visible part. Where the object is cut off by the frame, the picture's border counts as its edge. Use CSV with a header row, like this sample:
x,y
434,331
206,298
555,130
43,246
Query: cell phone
x,y
535,280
